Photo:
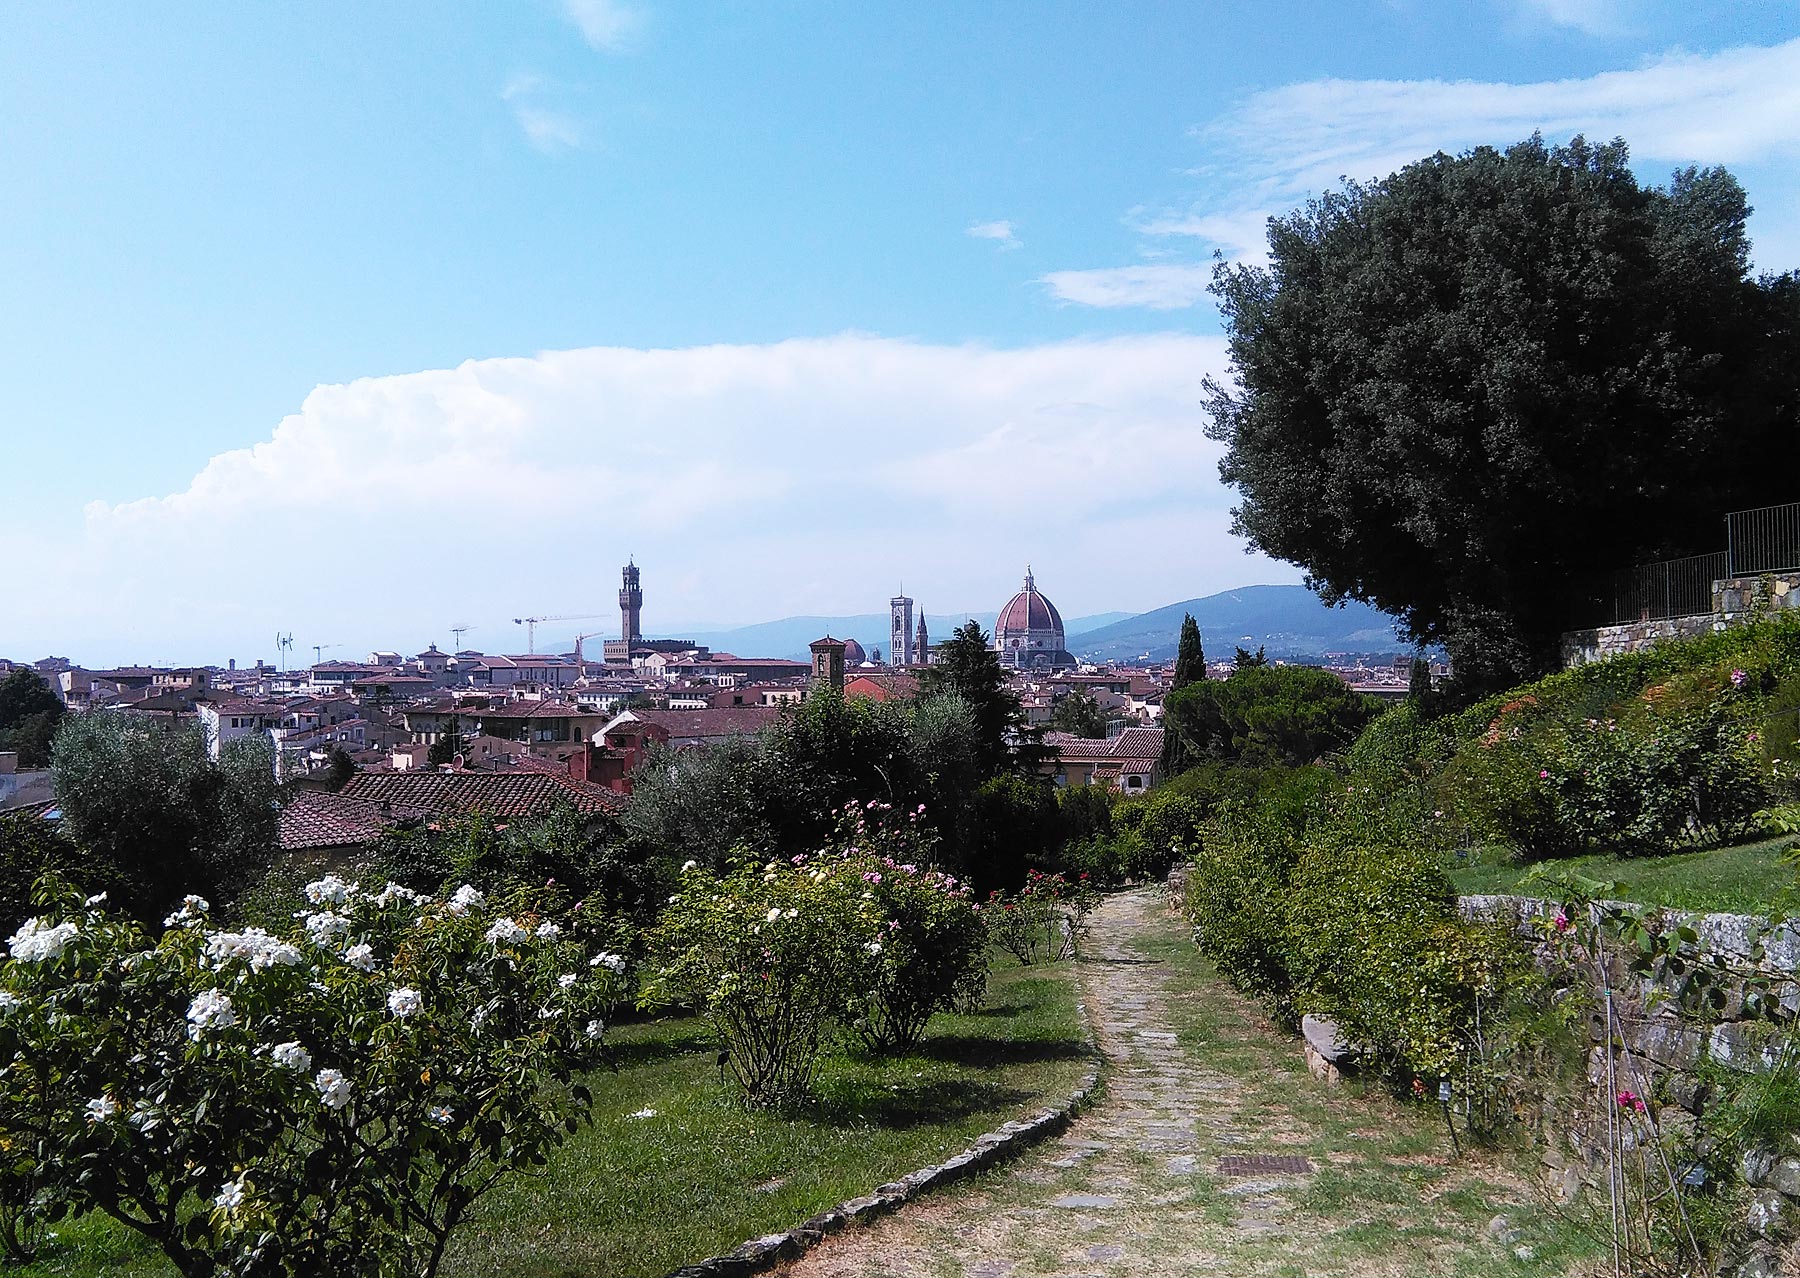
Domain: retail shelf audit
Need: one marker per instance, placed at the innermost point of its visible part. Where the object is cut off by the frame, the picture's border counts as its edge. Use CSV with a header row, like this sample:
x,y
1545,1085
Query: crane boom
x,y
531,625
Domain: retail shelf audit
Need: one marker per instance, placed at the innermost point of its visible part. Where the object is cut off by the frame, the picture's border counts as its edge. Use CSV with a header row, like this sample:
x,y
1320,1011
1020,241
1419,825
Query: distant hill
x,y
1288,621
790,636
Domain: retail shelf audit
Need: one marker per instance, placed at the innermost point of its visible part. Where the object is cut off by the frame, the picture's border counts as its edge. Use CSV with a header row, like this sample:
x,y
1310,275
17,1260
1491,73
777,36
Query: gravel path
x,y
1128,1190
1211,1152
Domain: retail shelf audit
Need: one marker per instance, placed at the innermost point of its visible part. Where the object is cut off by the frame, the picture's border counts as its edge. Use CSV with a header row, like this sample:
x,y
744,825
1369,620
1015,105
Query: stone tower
x,y
922,646
828,662
900,631
631,606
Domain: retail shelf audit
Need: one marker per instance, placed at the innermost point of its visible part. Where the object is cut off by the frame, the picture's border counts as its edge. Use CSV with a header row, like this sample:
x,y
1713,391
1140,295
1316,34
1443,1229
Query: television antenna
x,y
459,632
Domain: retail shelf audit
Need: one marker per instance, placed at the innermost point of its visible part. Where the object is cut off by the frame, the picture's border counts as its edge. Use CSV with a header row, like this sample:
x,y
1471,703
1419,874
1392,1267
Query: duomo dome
x,y
1028,634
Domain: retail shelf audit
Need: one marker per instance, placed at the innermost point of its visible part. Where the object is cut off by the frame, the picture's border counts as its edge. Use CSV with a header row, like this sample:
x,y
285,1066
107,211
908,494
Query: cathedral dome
x,y
1028,634
853,653
1028,610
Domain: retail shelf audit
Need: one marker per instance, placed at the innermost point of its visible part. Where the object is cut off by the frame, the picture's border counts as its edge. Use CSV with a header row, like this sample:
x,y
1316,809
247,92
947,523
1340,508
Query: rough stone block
x,y
1767,1213
1784,1175
1667,1041
1743,1046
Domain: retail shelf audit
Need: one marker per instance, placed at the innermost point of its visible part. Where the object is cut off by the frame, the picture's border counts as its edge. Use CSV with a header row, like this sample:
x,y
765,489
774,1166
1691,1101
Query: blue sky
x,y
363,320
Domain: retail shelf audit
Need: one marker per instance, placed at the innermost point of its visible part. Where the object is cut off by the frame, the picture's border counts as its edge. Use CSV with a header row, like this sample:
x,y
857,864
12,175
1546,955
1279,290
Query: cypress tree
x,y
1190,667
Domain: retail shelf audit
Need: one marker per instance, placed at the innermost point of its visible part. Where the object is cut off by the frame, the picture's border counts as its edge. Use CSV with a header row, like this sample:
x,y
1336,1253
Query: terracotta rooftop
x,y
499,794
719,721
315,819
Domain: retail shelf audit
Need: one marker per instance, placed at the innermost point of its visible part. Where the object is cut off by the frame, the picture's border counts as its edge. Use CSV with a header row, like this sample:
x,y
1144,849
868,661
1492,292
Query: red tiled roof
x,y
315,819
883,687
719,721
1140,743
499,794
536,710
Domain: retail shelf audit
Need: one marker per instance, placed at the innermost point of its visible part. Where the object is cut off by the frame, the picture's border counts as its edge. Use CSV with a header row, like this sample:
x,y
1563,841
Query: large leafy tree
x,y
1468,391
967,665
155,817
29,715
1267,714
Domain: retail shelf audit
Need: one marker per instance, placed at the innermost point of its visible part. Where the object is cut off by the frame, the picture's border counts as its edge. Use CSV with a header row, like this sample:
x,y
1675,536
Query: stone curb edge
x,y
1004,1142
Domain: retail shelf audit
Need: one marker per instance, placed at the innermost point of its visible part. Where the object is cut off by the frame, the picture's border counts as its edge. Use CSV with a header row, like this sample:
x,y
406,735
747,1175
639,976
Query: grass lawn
x,y
638,1194
1751,878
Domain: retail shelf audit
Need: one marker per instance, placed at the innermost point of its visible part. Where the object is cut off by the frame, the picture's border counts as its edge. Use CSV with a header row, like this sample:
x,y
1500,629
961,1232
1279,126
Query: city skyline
x,y
365,323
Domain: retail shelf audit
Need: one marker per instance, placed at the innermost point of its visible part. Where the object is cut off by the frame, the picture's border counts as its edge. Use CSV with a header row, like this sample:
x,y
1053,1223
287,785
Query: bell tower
x,y
900,631
631,605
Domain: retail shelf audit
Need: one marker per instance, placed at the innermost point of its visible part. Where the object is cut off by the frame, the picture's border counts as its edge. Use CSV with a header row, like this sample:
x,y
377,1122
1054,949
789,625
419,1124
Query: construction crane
x,y
284,644
459,632
578,638
321,647
531,625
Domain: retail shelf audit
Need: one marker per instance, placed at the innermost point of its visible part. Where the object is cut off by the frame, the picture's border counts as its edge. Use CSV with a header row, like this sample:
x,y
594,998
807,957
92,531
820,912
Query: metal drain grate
x,y
1264,1165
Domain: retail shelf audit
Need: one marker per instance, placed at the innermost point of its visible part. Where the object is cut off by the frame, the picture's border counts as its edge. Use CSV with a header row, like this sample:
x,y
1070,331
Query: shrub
x,y
923,943
1235,889
1044,919
767,954
1374,943
339,1095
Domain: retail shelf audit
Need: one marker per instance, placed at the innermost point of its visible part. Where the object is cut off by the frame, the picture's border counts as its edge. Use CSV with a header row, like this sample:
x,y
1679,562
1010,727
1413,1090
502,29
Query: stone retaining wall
x,y
1666,1050
1734,600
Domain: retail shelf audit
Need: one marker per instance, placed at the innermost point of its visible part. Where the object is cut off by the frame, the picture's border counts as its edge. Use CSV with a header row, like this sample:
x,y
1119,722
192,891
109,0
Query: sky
x,y
358,322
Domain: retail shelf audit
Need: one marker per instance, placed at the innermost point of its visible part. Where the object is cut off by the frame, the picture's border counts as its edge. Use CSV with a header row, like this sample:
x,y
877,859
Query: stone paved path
x,y
1127,1190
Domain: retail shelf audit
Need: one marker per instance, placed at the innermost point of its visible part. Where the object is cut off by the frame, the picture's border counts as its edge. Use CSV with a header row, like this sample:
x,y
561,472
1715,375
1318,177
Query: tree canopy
x,y
155,818
966,665
1470,391
29,715
1267,714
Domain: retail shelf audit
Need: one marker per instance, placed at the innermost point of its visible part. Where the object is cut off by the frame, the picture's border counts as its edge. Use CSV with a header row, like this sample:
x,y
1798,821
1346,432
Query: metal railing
x,y
1766,539
1667,588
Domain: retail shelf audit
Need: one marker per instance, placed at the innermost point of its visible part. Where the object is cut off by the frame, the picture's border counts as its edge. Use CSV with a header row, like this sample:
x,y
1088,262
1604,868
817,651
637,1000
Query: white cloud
x,y
1731,107
750,482
1161,287
611,26
1001,232
546,127
1276,148
1593,17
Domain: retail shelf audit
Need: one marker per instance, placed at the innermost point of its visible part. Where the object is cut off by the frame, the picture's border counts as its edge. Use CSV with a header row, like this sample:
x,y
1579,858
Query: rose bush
x,y
922,941
330,1098
766,954
1044,919
863,933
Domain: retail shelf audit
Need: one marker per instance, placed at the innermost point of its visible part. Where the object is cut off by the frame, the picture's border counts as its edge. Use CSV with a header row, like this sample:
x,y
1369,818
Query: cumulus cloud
x,y
1159,287
611,26
750,482
1001,232
1274,149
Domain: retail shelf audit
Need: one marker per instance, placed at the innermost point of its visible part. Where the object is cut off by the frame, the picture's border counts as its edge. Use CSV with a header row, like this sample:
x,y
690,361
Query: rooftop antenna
x,y
459,632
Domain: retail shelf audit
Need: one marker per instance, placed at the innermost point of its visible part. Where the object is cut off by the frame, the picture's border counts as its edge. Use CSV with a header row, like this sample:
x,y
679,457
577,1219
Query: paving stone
x,y
1085,1200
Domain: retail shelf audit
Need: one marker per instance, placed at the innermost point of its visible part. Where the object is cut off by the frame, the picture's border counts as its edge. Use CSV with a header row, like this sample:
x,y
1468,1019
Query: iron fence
x,y
1766,539
1668,588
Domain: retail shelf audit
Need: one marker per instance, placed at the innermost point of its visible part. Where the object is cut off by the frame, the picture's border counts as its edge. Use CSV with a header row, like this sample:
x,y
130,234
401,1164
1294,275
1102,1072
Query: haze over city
x,y
362,324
